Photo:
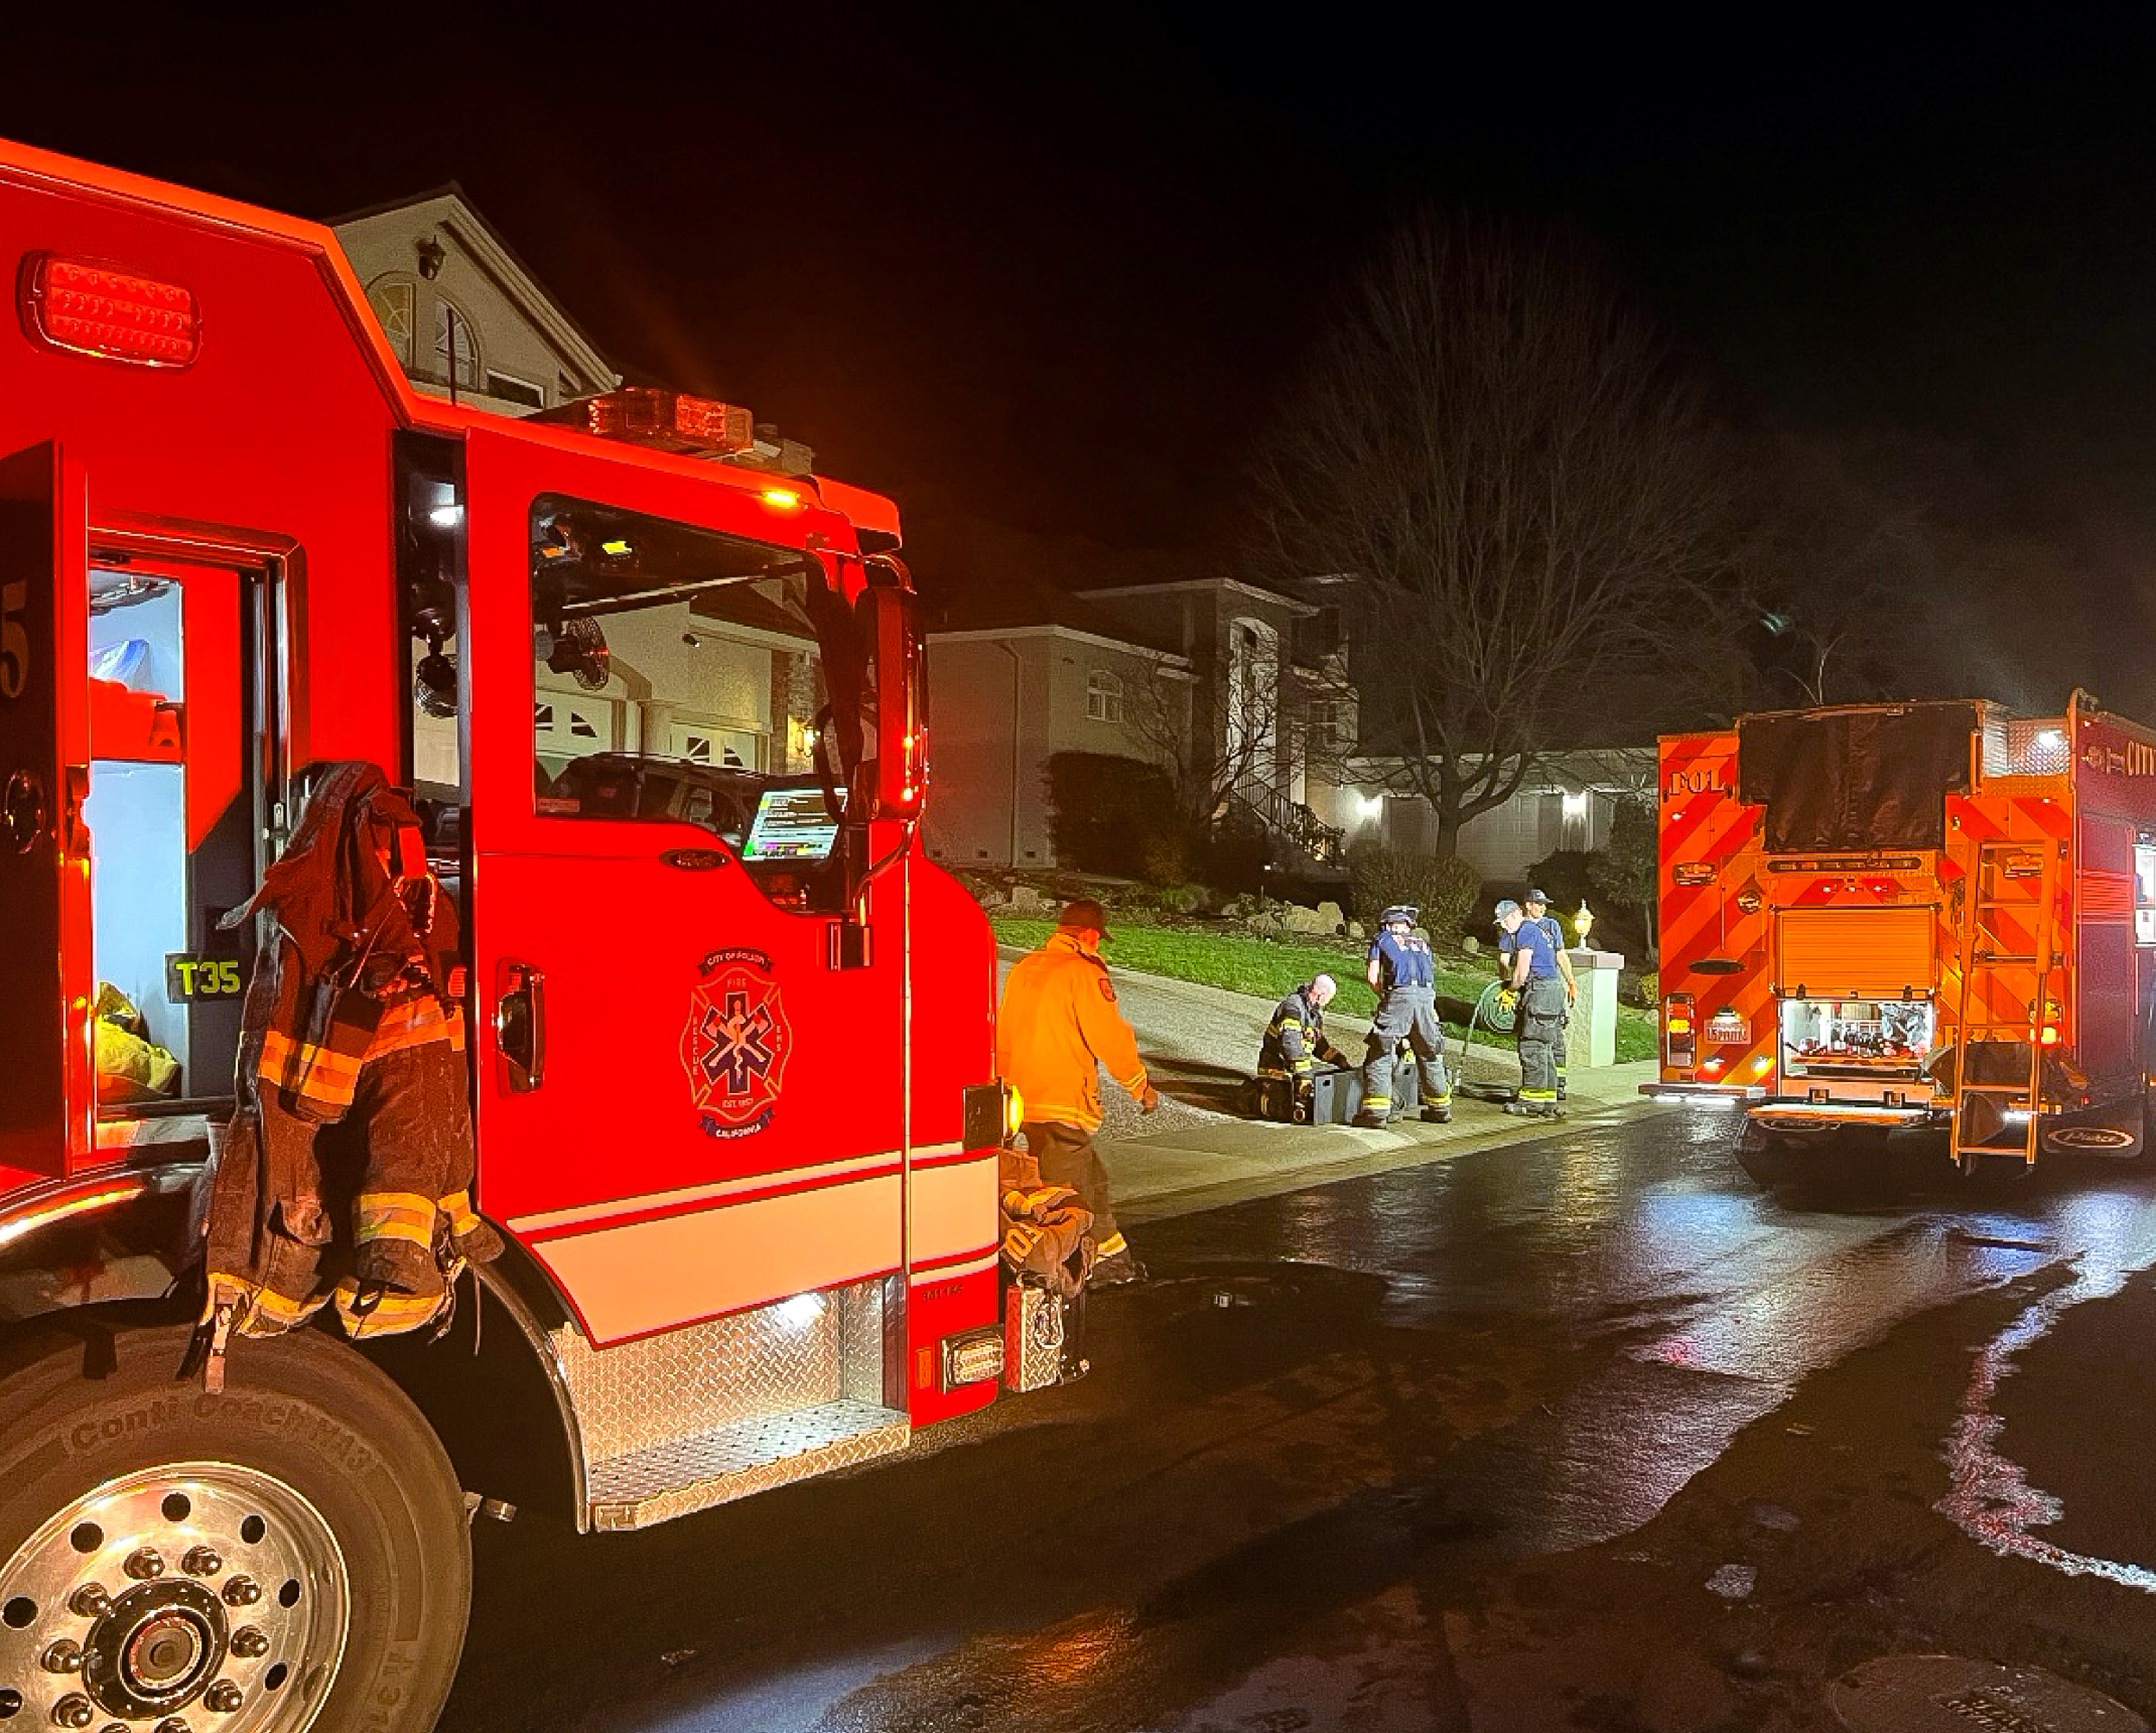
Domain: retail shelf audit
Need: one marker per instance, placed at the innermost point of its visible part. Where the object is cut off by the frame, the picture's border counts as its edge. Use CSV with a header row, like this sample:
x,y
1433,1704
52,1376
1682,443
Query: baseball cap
x,y
1084,912
1542,897
1506,906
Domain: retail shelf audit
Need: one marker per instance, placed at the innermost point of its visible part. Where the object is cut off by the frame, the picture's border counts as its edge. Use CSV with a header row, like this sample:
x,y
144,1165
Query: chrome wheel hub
x,y
199,1587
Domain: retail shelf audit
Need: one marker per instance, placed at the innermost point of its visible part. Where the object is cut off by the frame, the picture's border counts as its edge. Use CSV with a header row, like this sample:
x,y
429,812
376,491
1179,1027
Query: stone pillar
x,y
1592,1039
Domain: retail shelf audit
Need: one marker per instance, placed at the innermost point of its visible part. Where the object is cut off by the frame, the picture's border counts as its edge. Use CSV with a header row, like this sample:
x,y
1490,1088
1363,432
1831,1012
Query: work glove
x,y
1149,1100
1507,997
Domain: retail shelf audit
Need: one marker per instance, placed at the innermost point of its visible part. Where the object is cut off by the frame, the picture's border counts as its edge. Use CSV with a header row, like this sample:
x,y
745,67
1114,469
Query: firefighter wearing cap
x,y
1295,1042
1058,1024
1404,976
1534,978
1538,911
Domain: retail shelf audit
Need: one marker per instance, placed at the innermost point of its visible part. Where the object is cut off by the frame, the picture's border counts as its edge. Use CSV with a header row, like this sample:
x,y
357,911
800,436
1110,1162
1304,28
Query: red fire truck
x,y
731,1058
1927,914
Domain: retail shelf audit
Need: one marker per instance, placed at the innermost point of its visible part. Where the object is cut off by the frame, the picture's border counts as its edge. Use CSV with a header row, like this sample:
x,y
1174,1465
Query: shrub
x,y
1106,814
1443,888
1567,875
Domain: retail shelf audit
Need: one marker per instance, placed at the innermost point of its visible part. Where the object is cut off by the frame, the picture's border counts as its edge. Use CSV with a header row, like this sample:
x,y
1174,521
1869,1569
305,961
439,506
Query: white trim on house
x,y
978,634
1293,606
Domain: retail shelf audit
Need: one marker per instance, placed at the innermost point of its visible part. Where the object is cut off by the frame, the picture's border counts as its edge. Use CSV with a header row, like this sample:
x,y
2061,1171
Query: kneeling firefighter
x,y
1405,976
1296,1044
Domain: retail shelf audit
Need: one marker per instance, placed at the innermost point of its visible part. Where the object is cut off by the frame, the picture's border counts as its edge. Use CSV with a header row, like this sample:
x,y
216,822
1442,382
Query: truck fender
x,y
120,1234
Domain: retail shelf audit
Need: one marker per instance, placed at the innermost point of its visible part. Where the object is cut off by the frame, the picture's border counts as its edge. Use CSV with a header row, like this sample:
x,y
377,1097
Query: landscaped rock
x,y
1265,925
1356,931
1331,916
1026,899
1471,944
1296,918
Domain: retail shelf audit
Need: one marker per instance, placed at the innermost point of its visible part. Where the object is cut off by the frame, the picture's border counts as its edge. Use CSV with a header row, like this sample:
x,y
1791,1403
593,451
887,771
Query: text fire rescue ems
x,y
731,1048
1893,916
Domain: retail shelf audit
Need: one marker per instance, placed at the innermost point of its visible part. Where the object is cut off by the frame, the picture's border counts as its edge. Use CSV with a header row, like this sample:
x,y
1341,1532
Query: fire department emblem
x,y
735,1043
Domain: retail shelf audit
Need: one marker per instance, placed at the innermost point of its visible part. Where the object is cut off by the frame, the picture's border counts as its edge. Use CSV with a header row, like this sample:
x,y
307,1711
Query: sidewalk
x,y
1218,1160
1196,1153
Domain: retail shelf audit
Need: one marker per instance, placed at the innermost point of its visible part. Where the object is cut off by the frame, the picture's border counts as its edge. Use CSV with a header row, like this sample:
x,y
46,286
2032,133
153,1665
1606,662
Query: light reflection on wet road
x,y
1321,1395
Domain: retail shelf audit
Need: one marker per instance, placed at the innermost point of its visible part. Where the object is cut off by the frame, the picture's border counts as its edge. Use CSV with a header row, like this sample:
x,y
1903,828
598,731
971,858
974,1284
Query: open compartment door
x,y
48,1092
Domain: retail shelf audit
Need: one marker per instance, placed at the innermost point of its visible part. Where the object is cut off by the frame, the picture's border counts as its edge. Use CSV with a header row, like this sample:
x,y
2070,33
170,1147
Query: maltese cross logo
x,y
735,1043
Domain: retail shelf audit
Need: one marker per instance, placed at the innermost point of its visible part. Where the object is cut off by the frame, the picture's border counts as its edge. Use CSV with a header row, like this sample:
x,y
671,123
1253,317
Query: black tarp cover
x,y
1855,779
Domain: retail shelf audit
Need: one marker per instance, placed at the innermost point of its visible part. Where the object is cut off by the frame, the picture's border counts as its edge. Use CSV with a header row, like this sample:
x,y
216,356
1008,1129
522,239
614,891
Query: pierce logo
x,y
736,1043
2089,1137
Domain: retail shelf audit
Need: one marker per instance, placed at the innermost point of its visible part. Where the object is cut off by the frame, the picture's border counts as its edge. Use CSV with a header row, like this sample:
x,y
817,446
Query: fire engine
x,y
731,1053
1923,914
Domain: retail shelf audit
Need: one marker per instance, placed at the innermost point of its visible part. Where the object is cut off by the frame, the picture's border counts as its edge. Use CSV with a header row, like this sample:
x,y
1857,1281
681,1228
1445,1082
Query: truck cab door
x,y
48,1095
689,1101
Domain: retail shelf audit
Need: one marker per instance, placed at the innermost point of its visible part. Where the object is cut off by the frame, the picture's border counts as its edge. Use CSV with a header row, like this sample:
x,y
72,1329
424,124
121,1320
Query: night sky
x,y
1052,270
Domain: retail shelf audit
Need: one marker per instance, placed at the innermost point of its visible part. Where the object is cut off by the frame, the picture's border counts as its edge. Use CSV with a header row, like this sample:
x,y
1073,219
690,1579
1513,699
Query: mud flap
x,y
2116,1133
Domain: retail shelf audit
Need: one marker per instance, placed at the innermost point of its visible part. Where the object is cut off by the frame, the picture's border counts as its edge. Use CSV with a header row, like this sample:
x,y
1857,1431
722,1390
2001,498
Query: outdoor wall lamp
x,y
432,253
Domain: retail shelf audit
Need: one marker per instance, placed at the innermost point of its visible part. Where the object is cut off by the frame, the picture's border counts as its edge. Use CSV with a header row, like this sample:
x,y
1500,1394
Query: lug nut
x,y
242,1591
223,1698
90,1601
146,1566
75,1709
201,1560
62,1657
250,1644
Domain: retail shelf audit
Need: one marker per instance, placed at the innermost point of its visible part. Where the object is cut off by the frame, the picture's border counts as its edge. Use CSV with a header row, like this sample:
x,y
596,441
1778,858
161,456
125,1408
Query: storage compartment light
x,y
87,308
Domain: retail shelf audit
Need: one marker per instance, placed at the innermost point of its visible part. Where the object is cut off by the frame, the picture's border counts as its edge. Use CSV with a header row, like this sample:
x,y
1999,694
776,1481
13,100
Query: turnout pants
x,y
1541,1030
1067,1157
1408,1013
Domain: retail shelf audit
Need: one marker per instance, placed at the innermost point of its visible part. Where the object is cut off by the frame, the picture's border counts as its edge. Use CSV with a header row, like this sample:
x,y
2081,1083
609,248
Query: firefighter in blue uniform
x,y
1538,909
1540,989
1404,977
1296,1043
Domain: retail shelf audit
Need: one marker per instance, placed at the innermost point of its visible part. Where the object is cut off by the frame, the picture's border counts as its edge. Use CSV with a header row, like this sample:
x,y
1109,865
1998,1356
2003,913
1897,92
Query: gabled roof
x,y
448,207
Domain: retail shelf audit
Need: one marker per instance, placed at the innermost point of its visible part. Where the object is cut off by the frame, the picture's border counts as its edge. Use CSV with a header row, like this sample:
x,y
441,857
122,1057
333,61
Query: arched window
x,y
453,327
394,300
1104,696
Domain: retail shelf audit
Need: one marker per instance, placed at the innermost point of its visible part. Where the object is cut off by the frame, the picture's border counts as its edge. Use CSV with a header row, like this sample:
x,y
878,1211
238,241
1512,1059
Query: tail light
x,y
1681,1046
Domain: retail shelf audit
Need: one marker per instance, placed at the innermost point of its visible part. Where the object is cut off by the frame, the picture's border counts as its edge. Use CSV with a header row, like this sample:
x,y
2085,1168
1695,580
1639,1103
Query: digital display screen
x,y
792,824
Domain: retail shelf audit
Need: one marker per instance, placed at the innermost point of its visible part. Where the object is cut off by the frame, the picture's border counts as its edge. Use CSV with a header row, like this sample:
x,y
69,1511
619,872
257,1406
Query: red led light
x,y
90,309
670,421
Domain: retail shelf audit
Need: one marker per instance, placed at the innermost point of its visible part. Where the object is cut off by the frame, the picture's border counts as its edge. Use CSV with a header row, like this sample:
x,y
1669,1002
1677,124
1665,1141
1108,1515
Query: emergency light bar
x,y
86,308
665,420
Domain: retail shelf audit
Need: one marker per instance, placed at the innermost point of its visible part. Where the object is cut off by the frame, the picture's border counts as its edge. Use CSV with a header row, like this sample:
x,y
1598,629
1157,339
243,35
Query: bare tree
x,y
1506,457
1237,732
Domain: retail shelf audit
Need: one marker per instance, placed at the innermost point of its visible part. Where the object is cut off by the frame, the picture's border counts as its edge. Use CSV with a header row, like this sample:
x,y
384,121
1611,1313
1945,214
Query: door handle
x,y
520,1026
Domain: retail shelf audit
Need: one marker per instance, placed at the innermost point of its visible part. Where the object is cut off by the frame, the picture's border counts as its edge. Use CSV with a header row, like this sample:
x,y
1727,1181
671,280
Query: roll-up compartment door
x,y
1860,953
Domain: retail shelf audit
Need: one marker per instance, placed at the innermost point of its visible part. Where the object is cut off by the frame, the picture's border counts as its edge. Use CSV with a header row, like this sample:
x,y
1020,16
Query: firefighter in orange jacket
x,y
1058,1025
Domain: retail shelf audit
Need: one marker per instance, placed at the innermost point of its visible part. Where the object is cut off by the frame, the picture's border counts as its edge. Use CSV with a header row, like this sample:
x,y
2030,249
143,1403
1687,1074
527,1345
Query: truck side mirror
x,y
900,771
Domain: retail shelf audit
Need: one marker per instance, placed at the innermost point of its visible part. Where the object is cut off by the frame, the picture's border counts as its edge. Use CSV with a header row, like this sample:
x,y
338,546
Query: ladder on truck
x,y
2008,957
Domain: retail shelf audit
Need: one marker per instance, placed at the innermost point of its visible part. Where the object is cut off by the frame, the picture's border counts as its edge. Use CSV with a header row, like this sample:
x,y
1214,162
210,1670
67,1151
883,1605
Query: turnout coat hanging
x,y
346,1175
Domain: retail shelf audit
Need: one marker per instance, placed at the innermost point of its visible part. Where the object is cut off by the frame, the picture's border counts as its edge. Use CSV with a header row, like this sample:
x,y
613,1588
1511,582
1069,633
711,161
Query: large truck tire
x,y
290,1555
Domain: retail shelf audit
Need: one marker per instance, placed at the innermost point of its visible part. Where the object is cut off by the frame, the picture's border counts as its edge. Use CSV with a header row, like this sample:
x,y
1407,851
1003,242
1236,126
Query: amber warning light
x,y
670,421
91,309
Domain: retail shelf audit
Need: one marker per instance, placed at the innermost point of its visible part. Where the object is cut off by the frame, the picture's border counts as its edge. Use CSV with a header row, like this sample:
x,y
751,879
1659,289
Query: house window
x,y
1104,696
394,302
453,327
513,390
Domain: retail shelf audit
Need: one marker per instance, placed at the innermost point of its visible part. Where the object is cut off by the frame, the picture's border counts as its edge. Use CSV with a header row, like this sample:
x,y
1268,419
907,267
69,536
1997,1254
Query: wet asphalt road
x,y
1460,1446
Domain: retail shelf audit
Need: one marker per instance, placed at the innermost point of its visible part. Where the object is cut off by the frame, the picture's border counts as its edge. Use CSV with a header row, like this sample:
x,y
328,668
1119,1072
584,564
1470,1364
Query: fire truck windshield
x,y
680,674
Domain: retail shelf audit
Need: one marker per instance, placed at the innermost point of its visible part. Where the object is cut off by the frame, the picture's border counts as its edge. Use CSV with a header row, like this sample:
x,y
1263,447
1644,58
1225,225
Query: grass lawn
x,y
1246,963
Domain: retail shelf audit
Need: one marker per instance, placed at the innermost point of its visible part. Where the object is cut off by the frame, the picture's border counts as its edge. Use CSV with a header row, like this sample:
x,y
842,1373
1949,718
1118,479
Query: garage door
x,y
1857,953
